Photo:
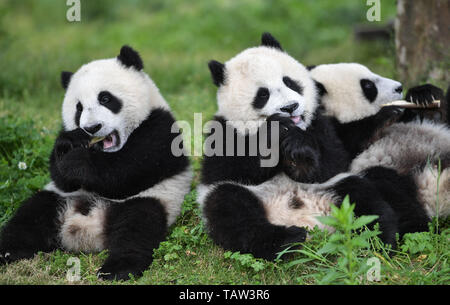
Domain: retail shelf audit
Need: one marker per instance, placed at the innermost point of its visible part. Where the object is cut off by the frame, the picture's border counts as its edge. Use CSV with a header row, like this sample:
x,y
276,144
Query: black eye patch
x,y
369,89
261,98
78,114
293,85
105,98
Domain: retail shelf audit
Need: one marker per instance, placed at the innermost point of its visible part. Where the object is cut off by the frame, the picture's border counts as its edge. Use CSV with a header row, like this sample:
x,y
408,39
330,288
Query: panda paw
x,y
9,256
298,146
121,268
70,140
294,235
285,124
424,95
389,115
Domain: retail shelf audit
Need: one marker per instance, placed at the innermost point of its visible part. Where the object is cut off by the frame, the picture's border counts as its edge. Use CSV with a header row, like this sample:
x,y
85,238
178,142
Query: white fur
x,y
80,232
263,67
276,196
345,99
137,92
405,147
171,192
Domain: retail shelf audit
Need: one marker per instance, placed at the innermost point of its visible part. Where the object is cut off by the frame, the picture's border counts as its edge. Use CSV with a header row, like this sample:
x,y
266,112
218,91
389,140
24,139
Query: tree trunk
x,y
422,40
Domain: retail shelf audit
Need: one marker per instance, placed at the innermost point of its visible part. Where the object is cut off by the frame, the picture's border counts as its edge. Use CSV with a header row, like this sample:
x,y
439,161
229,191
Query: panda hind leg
x,y
236,220
133,229
368,201
33,228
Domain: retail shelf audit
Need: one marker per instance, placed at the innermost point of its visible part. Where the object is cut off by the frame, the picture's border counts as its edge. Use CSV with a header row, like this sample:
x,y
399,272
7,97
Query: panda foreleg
x,y
133,229
237,221
33,228
356,135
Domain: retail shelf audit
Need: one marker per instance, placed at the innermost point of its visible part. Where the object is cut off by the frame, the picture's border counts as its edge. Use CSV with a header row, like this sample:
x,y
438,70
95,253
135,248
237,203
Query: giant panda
x,y
353,96
121,193
255,209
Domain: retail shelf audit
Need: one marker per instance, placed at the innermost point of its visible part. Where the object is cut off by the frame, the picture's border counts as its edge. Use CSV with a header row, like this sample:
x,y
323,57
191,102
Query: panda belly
x,y
82,216
405,147
82,221
286,202
415,149
290,203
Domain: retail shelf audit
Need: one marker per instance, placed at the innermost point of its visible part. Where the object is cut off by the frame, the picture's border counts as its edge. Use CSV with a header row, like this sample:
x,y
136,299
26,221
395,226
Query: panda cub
x,y
353,95
251,208
120,193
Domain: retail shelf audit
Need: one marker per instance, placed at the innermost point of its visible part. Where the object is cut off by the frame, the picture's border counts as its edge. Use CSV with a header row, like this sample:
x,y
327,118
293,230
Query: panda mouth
x,y
107,142
110,141
296,119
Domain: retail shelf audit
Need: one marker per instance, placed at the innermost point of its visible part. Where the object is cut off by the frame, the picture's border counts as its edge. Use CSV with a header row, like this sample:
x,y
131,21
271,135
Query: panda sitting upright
x,y
120,193
251,208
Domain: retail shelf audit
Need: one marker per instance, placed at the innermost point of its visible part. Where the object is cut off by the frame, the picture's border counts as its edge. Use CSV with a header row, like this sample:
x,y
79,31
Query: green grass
x,y
176,39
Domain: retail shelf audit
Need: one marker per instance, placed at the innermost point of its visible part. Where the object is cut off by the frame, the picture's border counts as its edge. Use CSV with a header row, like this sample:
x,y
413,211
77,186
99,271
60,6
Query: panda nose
x,y
399,89
93,129
289,108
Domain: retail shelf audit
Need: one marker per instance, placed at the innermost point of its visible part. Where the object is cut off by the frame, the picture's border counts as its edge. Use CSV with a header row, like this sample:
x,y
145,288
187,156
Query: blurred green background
x,y
176,38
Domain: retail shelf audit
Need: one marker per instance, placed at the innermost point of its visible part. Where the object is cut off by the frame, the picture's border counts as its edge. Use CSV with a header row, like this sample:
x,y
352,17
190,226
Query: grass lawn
x,y
176,39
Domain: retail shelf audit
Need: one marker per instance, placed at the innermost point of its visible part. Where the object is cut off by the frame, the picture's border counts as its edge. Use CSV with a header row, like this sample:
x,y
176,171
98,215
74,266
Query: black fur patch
x,y
369,89
82,206
65,78
296,203
401,194
217,70
368,201
269,41
111,102
130,58
133,229
357,135
321,90
33,228
237,221
293,85
244,169
311,67
79,110
261,98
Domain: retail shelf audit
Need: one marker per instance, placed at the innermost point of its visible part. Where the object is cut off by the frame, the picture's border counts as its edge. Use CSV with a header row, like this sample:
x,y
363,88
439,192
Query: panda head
x,y
262,81
109,98
351,91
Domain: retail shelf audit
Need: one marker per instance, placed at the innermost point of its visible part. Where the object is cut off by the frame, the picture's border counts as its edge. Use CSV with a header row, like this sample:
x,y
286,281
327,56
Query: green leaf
x,y
363,220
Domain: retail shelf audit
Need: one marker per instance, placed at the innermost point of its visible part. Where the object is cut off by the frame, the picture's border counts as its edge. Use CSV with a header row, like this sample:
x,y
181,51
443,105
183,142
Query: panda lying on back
x,y
120,193
352,95
256,209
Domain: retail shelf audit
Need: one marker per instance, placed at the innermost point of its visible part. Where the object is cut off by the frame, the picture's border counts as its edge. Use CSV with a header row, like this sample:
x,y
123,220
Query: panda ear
x,y
321,90
269,41
311,67
65,79
217,70
130,58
